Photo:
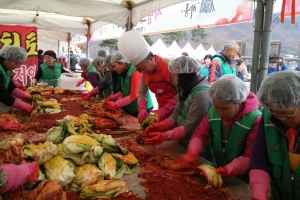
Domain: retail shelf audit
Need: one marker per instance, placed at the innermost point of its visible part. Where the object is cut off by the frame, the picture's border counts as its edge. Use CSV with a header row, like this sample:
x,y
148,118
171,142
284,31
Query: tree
x,y
198,34
112,44
174,36
148,39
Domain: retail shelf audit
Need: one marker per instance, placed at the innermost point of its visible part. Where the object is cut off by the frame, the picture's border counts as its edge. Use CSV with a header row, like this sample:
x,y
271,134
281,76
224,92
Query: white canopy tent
x,y
74,16
189,49
159,48
174,50
211,51
200,52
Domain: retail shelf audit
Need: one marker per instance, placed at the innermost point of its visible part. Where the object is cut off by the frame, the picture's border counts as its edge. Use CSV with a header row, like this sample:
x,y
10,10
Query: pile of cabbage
x,y
90,164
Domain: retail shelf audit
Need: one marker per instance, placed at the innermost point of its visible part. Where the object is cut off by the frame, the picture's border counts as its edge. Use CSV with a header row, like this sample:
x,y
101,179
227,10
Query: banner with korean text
x,y
26,37
182,16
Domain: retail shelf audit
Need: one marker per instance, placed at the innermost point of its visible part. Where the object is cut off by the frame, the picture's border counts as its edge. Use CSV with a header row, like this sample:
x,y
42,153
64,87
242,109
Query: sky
x,y
277,6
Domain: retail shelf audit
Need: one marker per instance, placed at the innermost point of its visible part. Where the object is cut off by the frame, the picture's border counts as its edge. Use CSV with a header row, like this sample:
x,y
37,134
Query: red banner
x,y
290,8
25,37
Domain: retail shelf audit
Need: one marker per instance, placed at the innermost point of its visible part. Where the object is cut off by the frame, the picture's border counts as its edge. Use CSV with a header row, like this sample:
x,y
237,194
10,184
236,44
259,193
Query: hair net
x,y
13,53
85,62
184,64
229,88
107,59
118,58
133,47
99,61
102,53
280,91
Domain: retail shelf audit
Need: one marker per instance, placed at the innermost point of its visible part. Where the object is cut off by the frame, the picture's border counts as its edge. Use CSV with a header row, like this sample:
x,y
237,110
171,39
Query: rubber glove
x,y
114,97
189,158
8,126
110,105
142,110
20,174
93,92
222,171
19,85
80,82
259,184
160,126
20,94
167,110
33,82
23,106
156,138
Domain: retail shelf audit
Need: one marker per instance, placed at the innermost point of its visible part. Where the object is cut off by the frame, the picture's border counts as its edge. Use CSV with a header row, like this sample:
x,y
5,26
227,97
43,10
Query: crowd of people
x,y
208,108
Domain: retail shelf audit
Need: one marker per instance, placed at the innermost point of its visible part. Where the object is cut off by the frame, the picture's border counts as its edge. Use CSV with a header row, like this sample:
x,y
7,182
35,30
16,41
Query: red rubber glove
x,y
20,174
160,126
8,126
189,158
21,94
110,105
156,138
142,110
19,85
80,82
23,106
93,92
222,171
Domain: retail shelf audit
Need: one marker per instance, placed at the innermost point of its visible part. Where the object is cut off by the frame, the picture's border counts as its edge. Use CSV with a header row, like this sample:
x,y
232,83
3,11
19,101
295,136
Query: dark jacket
x,y
73,62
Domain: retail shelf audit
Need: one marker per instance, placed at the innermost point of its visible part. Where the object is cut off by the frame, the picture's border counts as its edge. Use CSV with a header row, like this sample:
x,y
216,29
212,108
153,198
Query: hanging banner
x,y
290,8
182,16
25,37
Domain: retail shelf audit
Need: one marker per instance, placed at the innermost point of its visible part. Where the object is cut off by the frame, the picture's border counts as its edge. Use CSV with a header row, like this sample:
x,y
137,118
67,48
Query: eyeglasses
x,y
281,115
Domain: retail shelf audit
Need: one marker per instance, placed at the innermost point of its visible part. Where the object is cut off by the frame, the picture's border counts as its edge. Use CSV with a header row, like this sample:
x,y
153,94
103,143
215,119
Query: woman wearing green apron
x,y
192,104
274,167
230,125
129,82
105,88
89,73
49,71
11,57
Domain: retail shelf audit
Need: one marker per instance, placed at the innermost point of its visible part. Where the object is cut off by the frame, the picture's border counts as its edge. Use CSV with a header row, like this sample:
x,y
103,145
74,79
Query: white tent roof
x,y
174,50
189,49
70,16
211,51
159,48
200,52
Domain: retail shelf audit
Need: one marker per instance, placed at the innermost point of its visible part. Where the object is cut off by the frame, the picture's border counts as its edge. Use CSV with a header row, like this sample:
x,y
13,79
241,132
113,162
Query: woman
x,y
11,57
89,73
231,126
239,68
115,75
49,71
205,67
105,86
276,151
193,103
130,81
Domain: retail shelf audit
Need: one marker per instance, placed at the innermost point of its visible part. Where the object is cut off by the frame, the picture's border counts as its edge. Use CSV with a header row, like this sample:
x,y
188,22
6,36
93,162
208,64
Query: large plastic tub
x,y
69,81
51,82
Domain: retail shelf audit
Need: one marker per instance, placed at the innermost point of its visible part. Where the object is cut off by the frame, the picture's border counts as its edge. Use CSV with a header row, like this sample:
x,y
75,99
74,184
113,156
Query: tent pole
x,y
58,46
266,39
259,17
69,44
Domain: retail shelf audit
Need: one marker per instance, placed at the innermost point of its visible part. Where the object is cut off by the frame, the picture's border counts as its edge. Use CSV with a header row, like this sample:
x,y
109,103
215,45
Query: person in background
x,y
105,88
237,56
205,67
230,124
155,75
273,61
274,166
102,53
73,61
89,73
224,62
243,67
239,68
184,54
192,105
49,71
281,66
11,57
12,176
40,57
129,82
115,75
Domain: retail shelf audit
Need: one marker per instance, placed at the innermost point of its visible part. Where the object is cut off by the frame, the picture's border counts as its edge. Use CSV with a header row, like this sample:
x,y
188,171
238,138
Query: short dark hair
x,y
208,56
239,62
71,51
